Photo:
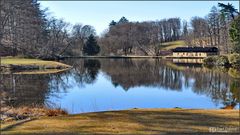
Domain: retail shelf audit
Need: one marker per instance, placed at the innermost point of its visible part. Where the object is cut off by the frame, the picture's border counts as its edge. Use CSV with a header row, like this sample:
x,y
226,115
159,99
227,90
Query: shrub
x,y
234,73
56,112
234,60
222,61
210,61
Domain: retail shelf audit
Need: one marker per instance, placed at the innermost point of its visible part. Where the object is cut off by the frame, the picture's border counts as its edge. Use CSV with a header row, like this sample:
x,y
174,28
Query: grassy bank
x,y
172,45
135,121
23,64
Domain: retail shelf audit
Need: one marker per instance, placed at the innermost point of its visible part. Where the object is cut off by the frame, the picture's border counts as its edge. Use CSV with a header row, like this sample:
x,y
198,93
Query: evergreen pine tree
x,y
91,47
228,9
123,20
235,34
112,23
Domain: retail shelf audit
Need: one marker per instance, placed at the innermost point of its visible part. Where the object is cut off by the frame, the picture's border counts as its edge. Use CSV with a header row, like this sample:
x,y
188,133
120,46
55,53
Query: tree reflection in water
x,y
85,71
125,73
31,90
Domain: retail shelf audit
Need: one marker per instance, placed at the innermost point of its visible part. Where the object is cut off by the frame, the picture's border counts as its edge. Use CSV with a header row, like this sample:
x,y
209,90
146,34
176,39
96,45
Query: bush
x,y
234,60
216,61
222,61
56,112
234,73
210,61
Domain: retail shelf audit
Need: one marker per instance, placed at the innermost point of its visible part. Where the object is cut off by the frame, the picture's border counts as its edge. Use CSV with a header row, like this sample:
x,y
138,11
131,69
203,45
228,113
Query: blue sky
x,y
100,13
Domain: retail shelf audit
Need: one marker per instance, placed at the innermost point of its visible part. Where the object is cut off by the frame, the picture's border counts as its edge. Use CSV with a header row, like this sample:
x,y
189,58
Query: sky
x,y
100,13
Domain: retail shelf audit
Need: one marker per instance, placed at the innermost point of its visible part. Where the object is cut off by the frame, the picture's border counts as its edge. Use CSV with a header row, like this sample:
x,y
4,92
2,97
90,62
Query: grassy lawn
x,y
51,66
24,61
172,45
134,121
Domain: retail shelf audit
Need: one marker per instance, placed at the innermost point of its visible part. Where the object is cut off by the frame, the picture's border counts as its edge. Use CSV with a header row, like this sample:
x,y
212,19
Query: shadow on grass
x,y
178,121
143,122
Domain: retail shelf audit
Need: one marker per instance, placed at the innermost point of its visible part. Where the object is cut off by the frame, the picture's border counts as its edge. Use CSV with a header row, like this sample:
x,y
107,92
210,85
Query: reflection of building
x,y
185,60
188,62
194,52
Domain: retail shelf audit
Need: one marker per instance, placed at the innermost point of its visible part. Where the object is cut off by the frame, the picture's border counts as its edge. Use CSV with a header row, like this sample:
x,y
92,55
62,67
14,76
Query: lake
x,y
116,84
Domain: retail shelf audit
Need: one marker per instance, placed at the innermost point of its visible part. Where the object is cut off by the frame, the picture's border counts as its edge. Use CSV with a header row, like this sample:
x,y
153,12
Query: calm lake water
x,y
116,84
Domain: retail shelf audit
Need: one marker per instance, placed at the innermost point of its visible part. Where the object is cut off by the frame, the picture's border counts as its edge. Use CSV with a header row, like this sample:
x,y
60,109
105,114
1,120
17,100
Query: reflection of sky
x,y
103,96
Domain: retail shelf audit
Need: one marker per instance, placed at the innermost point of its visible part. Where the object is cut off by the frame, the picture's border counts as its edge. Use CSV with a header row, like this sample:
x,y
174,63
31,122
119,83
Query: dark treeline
x,y
27,30
144,37
22,27
213,29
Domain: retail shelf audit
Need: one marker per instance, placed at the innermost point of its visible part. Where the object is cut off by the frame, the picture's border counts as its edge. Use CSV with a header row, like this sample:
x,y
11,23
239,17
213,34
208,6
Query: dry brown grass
x,y
56,112
136,121
26,112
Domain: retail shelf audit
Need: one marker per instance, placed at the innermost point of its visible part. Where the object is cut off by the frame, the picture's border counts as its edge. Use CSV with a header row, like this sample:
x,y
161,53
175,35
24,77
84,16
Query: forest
x,y
29,31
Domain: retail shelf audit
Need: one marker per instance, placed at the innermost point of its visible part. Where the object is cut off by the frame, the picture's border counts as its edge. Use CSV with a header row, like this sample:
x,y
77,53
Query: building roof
x,y
195,49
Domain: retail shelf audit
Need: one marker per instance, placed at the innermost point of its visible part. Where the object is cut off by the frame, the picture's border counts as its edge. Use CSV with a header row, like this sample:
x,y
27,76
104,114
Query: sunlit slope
x,y
172,45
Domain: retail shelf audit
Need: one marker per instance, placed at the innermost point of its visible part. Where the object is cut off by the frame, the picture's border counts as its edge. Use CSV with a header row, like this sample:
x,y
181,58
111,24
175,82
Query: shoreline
x,y
66,57
121,57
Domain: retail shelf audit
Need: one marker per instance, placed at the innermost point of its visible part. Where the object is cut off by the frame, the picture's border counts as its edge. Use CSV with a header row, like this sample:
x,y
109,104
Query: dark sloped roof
x,y
195,49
